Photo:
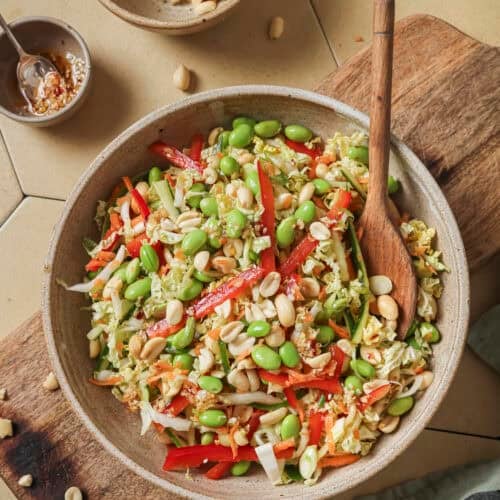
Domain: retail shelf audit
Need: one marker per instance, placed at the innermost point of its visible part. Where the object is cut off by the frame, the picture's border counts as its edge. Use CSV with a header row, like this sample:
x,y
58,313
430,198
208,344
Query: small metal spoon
x,y
31,69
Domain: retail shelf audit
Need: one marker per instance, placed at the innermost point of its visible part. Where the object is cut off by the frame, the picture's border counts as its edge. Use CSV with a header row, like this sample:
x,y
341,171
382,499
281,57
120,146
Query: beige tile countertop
x,y
133,75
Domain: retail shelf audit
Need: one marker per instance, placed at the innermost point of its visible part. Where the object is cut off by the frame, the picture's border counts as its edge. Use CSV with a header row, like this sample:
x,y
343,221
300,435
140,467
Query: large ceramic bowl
x,y
66,323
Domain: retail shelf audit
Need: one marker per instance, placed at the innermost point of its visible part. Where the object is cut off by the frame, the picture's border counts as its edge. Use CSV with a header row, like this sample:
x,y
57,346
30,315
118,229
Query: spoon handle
x,y
11,37
380,110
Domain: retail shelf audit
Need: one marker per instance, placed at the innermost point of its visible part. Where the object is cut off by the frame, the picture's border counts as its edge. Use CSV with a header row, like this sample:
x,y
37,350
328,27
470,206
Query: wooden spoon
x,y
381,243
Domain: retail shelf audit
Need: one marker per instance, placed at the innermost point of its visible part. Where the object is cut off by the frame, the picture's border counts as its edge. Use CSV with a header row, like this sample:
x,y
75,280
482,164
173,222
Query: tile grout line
x,y
459,433
330,47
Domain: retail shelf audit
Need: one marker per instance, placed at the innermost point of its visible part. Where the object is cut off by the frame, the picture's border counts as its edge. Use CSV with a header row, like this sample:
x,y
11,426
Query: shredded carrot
x,y
119,347
106,382
214,334
326,158
329,423
339,330
308,318
232,441
338,461
295,377
163,270
128,183
179,254
162,365
342,407
322,293
120,201
136,220
284,445
114,221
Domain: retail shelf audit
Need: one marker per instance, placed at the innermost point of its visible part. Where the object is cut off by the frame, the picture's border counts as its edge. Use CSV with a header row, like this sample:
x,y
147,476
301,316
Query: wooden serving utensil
x,y
381,243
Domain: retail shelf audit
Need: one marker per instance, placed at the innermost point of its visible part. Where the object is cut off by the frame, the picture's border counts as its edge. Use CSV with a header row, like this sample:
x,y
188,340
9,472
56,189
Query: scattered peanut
x,y
25,481
175,311
371,354
225,309
153,348
321,170
285,310
388,307
182,77
6,428
205,7
245,158
94,348
319,231
270,284
233,248
276,27
73,493
388,424
206,360
51,383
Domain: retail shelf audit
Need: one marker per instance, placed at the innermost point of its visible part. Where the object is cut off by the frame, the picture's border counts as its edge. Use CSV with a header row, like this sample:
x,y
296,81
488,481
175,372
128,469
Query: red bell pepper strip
x,y
228,290
267,259
177,405
315,427
338,356
218,471
194,456
164,329
294,402
174,156
273,378
196,147
253,423
343,200
95,264
298,256
141,202
134,246
331,385
298,147
374,396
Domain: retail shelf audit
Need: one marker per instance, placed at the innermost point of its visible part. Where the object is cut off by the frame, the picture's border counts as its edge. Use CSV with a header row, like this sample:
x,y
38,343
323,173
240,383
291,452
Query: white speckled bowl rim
x,y
420,416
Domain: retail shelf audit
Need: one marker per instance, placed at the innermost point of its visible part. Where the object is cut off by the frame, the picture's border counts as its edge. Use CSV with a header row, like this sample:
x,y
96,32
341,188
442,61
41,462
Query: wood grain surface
x,y
446,108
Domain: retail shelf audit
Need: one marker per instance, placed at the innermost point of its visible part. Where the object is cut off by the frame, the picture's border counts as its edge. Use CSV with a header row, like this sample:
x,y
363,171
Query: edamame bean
x,y
289,354
258,328
184,337
209,206
298,133
358,153
140,288
241,136
240,468
214,242
193,241
235,223
325,334
240,120
207,438
133,270
155,175
392,185
210,384
192,289
194,201
285,232
292,471
290,427
183,361
429,333
121,272
354,384
229,165
203,277
213,418
400,406
223,141
321,186
149,258
363,368
251,178
267,128
253,256
306,212
265,357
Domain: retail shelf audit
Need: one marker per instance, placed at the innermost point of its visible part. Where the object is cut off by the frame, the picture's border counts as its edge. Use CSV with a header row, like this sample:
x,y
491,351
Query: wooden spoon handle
x,y
380,110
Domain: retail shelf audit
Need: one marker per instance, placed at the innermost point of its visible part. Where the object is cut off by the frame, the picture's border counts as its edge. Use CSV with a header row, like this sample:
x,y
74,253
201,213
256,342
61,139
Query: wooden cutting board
x,y
445,106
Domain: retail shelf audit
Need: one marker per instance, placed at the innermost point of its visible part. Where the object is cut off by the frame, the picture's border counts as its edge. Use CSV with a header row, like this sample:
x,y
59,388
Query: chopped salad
x,y
231,306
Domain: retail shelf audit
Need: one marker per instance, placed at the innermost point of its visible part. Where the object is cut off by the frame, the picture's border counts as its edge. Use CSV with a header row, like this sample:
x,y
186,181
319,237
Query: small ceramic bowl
x,y
39,35
66,321
158,15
